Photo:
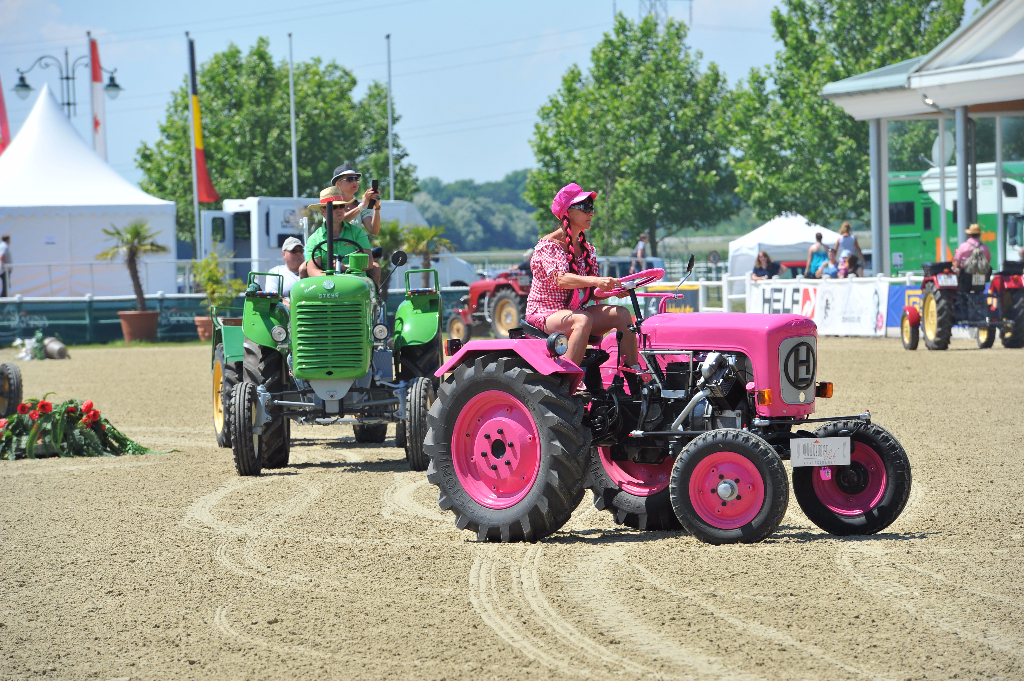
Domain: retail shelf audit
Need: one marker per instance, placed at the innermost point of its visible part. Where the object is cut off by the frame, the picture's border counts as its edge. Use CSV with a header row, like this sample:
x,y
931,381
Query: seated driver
x,y
342,230
565,273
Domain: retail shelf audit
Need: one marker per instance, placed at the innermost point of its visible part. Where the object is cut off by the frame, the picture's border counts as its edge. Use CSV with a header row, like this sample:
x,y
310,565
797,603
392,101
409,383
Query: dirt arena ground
x,y
342,566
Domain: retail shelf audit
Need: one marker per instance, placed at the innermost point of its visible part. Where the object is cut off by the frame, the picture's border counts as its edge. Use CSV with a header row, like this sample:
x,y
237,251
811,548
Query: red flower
x,y
23,408
93,415
45,407
103,427
86,422
71,409
3,423
33,414
87,405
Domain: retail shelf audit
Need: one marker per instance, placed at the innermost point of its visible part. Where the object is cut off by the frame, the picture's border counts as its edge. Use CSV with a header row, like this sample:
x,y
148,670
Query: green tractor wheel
x,y
225,376
401,441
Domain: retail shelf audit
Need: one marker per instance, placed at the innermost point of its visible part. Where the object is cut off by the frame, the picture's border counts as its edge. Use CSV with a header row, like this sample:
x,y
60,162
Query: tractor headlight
x,y
279,333
558,344
380,331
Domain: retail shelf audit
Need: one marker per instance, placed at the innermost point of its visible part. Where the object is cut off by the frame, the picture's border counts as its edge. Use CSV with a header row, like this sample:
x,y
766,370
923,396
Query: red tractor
x,y
500,302
951,299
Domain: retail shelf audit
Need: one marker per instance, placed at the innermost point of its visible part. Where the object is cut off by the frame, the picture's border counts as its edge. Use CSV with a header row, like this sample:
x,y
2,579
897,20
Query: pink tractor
x,y
695,440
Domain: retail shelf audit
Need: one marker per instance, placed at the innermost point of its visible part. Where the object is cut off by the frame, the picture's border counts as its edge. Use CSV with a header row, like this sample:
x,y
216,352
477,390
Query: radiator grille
x,y
330,336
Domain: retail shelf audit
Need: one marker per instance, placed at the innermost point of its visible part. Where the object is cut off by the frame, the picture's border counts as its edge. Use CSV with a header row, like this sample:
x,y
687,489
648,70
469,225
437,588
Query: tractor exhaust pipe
x,y
328,267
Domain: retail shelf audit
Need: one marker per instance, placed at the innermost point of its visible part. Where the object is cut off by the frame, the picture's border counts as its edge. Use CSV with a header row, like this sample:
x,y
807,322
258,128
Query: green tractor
x,y
329,358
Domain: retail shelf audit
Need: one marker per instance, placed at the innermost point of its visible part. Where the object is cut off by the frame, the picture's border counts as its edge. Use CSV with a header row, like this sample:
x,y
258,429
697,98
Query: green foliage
x,y
642,127
390,238
796,151
481,223
509,189
245,117
131,242
425,241
909,141
211,278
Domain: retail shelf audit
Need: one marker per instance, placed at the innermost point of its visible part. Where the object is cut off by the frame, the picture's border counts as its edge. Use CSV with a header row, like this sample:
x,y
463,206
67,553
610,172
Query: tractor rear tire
x,y
986,336
225,376
909,333
864,497
1013,309
372,433
421,396
936,317
245,445
265,366
506,312
637,495
458,329
729,486
10,389
498,409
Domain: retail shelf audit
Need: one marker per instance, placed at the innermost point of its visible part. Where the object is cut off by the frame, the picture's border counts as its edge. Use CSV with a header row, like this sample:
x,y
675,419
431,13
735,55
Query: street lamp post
x,y
68,97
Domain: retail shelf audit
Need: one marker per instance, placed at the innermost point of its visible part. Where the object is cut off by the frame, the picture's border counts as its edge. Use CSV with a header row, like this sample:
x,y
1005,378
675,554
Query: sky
x,y
468,76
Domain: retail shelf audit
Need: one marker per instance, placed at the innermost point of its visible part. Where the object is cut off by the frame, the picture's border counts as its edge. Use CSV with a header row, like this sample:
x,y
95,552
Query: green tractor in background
x,y
327,359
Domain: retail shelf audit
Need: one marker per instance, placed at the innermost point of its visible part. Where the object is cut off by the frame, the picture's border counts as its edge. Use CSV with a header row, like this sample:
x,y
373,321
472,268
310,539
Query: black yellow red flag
x,y
204,187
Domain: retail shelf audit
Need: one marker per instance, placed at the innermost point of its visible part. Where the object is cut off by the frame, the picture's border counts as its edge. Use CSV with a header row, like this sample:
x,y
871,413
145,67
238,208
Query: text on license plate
x,y
946,279
819,451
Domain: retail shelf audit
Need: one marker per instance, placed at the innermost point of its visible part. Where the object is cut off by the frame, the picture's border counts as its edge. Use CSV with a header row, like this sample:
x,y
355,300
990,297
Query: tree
x,y
480,224
390,238
245,116
798,152
425,242
642,127
132,242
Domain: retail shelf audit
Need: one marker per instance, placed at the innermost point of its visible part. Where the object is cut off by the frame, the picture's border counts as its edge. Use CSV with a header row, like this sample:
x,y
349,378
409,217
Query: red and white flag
x,y
99,114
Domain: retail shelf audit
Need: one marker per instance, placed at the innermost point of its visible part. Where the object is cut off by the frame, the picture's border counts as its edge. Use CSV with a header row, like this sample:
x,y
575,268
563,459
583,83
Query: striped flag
x,y
204,188
5,129
99,112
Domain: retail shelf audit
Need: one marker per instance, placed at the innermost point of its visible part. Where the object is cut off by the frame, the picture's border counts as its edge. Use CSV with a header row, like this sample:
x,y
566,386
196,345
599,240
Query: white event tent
x,y
786,237
56,197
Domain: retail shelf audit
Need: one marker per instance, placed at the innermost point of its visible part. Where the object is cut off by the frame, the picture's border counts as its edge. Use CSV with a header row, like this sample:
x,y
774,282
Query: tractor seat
x,y
966,283
525,329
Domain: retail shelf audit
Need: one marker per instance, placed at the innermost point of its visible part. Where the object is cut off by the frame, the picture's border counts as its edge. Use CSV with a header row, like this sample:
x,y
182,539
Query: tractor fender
x,y
913,316
533,350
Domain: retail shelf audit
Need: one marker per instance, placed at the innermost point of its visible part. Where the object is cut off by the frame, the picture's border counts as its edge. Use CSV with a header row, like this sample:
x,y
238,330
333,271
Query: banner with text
x,y
840,307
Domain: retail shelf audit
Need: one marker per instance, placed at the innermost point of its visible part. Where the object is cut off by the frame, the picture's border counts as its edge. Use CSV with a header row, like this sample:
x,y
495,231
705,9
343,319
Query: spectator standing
x,y
817,255
965,251
830,268
848,242
292,252
639,254
764,268
5,262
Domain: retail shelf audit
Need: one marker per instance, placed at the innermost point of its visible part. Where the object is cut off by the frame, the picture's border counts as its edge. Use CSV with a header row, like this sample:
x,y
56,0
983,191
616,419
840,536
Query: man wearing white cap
x,y
292,252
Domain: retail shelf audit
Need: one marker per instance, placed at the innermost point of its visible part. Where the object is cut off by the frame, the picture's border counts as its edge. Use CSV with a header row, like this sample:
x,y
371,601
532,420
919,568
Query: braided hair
x,y
580,296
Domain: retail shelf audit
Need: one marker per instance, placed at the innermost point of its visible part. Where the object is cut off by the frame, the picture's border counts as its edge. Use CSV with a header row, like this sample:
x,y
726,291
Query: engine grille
x,y
329,336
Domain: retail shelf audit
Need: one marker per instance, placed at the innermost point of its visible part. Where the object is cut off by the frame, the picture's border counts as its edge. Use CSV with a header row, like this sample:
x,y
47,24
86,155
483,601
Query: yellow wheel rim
x,y
506,316
982,335
931,318
218,405
456,328
905,329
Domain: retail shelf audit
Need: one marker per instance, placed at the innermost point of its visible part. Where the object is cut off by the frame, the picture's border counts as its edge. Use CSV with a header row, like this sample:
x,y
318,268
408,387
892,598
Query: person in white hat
x,y
292,252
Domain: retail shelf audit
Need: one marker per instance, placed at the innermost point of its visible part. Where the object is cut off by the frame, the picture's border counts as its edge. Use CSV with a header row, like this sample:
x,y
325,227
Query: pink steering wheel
x,y
631,282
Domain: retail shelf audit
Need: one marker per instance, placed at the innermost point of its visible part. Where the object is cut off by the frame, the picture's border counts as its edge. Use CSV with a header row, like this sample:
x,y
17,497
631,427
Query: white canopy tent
x,y
56,197
786,237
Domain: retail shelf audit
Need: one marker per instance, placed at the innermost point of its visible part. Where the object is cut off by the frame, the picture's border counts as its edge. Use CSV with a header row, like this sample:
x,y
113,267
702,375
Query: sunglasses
x,y
586,206
351,178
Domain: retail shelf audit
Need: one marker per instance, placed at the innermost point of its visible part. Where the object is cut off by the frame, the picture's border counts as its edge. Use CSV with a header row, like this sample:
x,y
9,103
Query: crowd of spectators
x,y
844,259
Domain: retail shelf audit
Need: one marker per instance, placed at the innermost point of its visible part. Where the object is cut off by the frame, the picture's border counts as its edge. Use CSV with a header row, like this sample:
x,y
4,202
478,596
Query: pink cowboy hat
x,y
568,195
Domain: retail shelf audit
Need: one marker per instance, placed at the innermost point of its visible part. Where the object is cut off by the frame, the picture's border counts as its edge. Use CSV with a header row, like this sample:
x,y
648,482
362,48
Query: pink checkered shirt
x,y
548,262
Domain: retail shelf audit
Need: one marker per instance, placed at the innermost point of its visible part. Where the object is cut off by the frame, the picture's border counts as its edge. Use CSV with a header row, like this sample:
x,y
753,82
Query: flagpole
x,y
192,137
291,100
391,148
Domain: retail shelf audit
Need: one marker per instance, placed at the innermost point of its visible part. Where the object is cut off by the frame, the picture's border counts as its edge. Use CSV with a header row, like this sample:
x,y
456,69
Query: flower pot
x,y
138,326
204,327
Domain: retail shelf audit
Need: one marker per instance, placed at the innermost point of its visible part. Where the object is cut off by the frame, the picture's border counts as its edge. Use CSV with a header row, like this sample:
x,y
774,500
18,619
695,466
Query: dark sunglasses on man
x,y
586,205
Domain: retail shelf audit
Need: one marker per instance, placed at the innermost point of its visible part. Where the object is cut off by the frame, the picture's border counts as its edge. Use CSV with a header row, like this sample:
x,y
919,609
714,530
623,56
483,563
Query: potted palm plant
x,y
425,242
131,242
209,277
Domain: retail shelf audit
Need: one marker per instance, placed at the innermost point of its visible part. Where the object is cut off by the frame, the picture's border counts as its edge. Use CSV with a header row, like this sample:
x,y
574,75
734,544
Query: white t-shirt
x,y
288,281
641,249
5,256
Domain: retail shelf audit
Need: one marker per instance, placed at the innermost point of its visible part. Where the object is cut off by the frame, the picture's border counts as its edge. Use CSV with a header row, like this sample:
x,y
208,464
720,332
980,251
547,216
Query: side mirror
x,y
689,265
399,258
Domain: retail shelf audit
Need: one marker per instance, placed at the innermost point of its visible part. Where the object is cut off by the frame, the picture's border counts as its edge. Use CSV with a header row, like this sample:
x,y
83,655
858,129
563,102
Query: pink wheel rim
x,y
726,490
496,449
855,489
638,479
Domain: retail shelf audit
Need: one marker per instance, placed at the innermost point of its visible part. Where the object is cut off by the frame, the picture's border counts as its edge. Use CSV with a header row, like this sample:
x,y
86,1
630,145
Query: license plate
x,y
819,451
524,281
977,280
946,279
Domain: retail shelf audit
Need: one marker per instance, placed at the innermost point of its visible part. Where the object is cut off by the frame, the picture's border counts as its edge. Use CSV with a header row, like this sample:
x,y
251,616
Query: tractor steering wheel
x,y
631,282
321,249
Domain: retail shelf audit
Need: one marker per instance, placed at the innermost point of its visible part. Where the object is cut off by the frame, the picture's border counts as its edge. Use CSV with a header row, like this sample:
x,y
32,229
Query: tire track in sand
x,y
222,623
400,504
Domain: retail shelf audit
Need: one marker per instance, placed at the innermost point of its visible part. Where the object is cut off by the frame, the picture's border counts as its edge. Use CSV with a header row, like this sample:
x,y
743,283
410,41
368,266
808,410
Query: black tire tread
x,y
230,372
1015,313
15,387
944,314
915,335
652,513
401,440
265,366
247,458
417,407
568,443
373,433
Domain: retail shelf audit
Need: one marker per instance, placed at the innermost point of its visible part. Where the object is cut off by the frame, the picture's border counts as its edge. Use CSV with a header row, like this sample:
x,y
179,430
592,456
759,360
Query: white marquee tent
x,y
786,237
56,197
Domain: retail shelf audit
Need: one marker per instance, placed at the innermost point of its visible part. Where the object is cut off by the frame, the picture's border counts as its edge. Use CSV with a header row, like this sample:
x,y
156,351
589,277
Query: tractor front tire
x,y
636,494
506,312
371,433
10,389
225,377
401,441
421,396
986,336
458,329
936,317
909,333
245,444
508,449
1013,309
265,366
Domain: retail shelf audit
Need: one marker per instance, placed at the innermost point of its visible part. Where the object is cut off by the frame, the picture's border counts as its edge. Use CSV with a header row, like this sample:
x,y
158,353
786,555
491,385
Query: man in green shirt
x,y
352,231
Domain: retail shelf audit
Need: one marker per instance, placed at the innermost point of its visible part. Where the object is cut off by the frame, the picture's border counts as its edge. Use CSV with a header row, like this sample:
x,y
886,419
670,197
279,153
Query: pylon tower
x,y
657,8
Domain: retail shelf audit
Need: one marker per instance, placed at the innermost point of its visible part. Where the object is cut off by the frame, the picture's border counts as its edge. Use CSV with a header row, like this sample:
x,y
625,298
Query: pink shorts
x,y
538,319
